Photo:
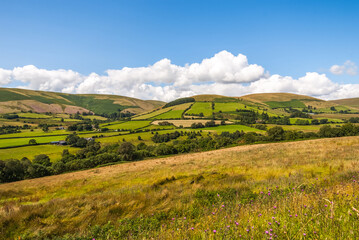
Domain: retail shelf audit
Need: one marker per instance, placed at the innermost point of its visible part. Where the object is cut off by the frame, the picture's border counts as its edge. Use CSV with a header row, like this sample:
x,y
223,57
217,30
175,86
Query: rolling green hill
x,y
17,100
273,104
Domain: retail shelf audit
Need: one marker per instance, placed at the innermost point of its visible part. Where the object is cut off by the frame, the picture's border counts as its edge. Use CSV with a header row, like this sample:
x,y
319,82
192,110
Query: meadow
x,y
201,107
131,125
233,128
53,151
152,114
231,107
25,141
173,114
292,190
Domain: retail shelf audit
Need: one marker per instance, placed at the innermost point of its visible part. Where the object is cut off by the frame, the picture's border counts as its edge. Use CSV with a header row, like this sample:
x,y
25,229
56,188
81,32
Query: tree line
x,y
92,154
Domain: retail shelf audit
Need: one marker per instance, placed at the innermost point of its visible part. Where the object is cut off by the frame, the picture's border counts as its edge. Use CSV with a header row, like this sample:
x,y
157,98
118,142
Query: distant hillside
x,y
281,100
17,100
351,102
275,104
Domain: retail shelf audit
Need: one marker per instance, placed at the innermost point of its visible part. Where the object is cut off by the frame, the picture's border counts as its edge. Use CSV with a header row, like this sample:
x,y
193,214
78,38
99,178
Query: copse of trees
x,y
354,120
75,141
299,114
81,127
10,116
161,138
12,129
118,115
165,123
197,125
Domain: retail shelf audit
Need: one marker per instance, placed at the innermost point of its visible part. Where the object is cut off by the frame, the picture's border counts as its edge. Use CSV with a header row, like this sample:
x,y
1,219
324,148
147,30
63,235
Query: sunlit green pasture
x,y
33,115
34,133
130,125
53,151
231,107
201,107
66,119
173,114
24,141
233,128
294,120
92,117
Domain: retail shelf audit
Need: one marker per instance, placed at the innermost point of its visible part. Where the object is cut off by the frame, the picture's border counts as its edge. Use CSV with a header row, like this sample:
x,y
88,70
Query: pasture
x,y
53,151
170,115
200,107
231,107
233,128
130,125
151,114
25,141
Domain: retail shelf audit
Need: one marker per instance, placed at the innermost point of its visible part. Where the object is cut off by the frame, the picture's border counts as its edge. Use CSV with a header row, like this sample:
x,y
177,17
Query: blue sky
x,y
289,38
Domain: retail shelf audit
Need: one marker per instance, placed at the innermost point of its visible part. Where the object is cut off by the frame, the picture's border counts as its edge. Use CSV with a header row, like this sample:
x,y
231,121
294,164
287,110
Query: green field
x,y
295,103
152,114
294,120
130,125
173,114
231,107
25,141
201,107
233,128
33,115
92,117
53,151
338,108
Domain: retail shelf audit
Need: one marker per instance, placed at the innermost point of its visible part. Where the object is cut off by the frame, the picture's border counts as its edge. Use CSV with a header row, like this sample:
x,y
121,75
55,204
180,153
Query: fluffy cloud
x,y
5,76
348,67
47,80
224,74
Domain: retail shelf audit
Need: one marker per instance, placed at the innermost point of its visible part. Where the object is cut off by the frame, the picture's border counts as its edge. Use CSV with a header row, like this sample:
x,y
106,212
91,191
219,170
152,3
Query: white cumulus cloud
x,y
349,68
224,74
5,76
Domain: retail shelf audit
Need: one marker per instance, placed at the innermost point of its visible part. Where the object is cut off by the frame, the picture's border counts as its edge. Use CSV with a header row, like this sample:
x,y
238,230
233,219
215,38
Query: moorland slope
x,y
16,100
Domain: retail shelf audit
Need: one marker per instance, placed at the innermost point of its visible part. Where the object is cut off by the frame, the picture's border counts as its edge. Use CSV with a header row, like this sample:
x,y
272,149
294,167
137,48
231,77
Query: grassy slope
x,y
275,100
15,100
352,102
201,107
289,184
53,151
276,97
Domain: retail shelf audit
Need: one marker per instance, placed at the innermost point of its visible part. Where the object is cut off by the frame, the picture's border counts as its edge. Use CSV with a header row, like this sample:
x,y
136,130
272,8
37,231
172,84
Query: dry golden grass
x,y
71,202
352,102
260,155
278,97
207,97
